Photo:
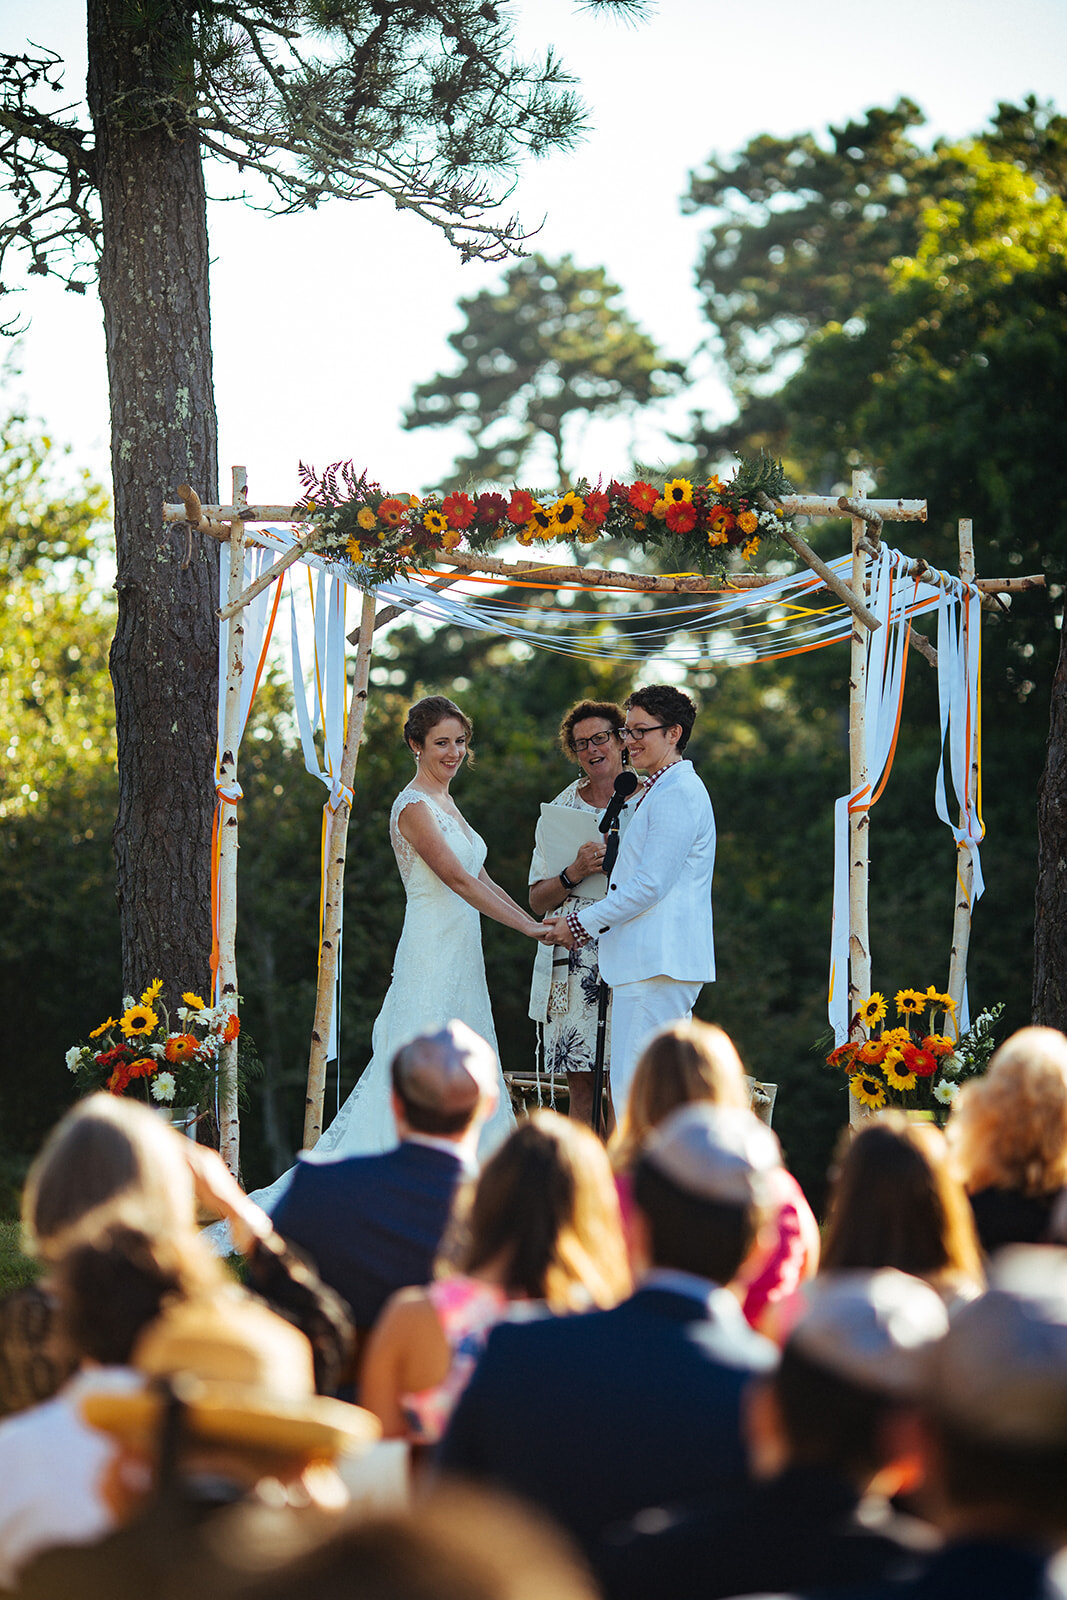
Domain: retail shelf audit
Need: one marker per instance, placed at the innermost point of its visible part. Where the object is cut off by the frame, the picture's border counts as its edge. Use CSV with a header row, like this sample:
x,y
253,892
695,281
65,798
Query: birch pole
x,y
859,949
336,850
229,792
961,919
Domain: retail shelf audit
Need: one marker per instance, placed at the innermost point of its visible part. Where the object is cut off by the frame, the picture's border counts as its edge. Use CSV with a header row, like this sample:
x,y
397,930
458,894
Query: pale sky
x,y
323,324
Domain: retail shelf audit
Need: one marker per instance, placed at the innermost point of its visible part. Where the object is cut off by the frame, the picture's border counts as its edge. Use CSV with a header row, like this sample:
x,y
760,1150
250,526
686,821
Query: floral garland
x,y
897,1066
697,525
172,1065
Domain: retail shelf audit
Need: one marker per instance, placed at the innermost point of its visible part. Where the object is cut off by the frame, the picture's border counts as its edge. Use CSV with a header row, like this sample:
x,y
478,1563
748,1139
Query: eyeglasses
x,y
639,733
598,738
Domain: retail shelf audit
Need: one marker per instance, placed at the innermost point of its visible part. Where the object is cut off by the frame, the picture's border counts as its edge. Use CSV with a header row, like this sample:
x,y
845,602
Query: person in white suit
x,y
657,946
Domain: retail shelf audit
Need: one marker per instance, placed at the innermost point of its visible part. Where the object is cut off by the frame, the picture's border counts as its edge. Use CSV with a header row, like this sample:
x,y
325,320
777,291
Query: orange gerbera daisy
x,y
871,1053
232,1028
180,1047
391,511
843,1056
938,1045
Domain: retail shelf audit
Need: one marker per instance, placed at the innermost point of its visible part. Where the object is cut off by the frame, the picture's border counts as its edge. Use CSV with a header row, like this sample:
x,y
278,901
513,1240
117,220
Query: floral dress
x,y
568,1011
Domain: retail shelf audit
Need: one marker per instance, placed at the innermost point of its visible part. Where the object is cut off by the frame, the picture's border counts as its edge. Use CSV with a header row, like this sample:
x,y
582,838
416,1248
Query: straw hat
x,y
244,1377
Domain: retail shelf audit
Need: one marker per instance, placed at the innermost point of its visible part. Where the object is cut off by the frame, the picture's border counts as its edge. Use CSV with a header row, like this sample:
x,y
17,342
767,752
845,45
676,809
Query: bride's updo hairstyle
x,y
426,714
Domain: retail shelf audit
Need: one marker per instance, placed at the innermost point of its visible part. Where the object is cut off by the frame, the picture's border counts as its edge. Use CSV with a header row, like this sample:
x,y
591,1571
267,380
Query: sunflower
x,y
434,522
180,1047
366,518
897,1080
677,491
152,993
937,1001
567,514
910,1002
541,522
193,1001
137,1021
867,1090
871,1053
872,1010
112,1022
354,551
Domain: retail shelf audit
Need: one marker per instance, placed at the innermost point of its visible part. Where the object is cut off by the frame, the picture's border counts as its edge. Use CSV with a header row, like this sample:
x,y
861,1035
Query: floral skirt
x,y
570,1031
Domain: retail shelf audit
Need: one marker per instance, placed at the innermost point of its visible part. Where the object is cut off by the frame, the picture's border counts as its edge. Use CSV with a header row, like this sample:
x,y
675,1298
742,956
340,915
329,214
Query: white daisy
x,y
163,1086
74,1055
946,1092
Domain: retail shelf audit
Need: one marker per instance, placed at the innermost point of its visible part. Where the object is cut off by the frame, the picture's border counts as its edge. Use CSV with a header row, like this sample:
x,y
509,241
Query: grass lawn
x,y
15,1268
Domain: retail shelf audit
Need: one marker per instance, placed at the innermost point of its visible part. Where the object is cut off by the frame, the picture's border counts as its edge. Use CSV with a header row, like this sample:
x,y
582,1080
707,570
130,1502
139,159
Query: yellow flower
x,y
450,538
896,1036
137,1021
193,1001
747,521
867,1090
588,535
366,518
659,510
940,1002
749,550
434,522
154,988
112,1022
525,535
716,536
910,1002
872,1010
354,551
715,484
897,1080
677,490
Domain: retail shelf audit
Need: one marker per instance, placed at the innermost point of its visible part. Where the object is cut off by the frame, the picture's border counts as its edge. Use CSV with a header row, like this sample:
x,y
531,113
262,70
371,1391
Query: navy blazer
x,y
372,1224
596,1416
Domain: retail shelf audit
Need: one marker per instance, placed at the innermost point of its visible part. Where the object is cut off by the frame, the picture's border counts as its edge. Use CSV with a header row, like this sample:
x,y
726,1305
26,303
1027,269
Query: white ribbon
x,y
958,661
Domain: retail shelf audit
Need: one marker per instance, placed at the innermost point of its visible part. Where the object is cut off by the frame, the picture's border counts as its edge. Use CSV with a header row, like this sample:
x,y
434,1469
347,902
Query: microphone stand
x,y
603,995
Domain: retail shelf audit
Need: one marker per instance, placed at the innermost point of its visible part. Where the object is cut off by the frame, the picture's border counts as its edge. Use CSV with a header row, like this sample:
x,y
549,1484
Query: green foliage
x,y
548,346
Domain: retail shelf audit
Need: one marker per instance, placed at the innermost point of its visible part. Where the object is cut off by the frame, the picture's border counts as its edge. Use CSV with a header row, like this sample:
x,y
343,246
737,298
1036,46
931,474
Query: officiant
x,y
566,875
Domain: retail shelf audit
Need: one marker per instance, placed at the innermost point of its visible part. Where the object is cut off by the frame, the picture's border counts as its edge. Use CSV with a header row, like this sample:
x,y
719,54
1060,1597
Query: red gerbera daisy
x,y
521,508
491,510
459,509
681,516
596,508
642,496
922,1062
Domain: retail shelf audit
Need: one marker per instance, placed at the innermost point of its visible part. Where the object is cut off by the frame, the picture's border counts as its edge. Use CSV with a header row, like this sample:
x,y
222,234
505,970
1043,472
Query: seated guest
x,y
828,1435
373,1224
1008,1132
225,1458
543,1230
109,1288
896,1202
596,1416
695,1061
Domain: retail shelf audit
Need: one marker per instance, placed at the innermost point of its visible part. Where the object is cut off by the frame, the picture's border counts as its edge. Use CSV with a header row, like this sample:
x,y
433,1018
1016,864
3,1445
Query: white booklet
x,y
561,832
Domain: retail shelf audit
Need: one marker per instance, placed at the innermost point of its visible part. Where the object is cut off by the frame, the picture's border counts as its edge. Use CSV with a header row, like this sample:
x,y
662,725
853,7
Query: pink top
x,y
771,1280
467,1308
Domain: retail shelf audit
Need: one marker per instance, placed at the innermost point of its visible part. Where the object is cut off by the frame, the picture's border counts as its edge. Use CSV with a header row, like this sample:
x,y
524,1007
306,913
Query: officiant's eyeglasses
x,y
598,738
639,733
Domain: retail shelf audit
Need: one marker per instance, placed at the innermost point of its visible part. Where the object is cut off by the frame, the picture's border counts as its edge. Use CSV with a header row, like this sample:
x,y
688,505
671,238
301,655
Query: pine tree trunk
x,y
164,658
1050,903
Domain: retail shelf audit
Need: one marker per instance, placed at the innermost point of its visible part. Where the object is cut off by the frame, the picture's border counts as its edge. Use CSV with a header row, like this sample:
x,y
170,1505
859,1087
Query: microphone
x,y
625,785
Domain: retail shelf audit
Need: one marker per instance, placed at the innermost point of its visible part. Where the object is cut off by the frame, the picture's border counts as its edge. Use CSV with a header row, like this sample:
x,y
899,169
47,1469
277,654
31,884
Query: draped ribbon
x,y
959,681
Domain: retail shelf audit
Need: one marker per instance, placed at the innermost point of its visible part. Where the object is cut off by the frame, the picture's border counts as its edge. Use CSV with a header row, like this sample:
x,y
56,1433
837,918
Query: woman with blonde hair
x,y
543,1230
896,1202
1008,1133
693,1060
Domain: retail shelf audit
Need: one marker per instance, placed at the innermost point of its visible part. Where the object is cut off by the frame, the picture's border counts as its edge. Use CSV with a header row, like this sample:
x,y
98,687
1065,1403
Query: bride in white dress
x,y
438,970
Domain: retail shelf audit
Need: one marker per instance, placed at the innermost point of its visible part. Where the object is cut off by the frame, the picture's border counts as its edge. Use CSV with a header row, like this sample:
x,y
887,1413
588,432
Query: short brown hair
x,y
669,706
607,709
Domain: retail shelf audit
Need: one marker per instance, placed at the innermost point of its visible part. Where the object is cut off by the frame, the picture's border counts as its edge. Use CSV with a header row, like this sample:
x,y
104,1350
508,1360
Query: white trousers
x,y
637,1011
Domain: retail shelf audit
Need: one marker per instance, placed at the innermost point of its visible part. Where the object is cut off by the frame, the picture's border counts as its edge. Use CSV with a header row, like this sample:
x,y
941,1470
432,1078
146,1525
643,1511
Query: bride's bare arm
x,y
417,824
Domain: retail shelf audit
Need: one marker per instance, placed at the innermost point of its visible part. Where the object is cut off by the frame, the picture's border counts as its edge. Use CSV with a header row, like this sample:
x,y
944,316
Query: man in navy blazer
x,y
373,1224
597,1416
654,925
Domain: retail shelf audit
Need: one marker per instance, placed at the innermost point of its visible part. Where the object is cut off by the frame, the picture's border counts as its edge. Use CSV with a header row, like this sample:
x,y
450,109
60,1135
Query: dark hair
x,y
708,1237
828,1420
978,1472
113,1284
669,706
606,709
424,716
546,1206
422,1118
896,1203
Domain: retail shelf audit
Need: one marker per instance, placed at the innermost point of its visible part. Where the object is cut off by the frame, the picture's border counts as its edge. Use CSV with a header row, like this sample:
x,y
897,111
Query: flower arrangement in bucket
x,y
142,1053
915,1066
693,525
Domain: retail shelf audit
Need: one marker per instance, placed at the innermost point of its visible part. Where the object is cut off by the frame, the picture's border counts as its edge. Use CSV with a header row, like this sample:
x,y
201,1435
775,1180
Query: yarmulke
x,y
871,1328
714,1152
449,1071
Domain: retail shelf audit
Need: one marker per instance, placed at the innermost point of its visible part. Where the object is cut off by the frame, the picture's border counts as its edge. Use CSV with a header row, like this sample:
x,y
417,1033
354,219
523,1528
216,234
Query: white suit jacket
x,y
655,920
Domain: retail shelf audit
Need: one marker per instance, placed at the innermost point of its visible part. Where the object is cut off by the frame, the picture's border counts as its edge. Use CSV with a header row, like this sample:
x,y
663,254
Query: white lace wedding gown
x,y
438,974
